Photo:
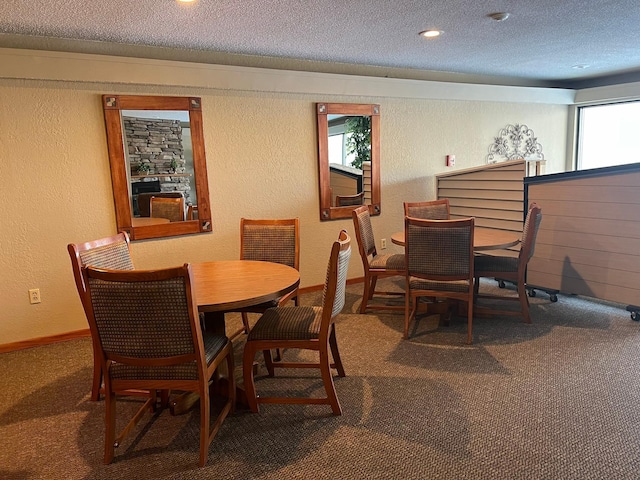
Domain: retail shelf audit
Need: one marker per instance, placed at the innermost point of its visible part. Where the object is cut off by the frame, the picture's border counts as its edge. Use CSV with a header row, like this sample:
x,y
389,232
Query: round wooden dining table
x,y
229,285
483,238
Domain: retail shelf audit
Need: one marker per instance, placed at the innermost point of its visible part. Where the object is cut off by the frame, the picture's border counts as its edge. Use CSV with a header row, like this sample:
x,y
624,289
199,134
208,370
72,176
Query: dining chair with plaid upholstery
x,y
439,257
431,210
306,328
169,208
375,265
150,338
269,240
511,266
112,252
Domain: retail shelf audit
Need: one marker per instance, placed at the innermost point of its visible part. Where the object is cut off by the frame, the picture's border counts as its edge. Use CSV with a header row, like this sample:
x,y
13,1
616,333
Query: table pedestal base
x,y
214,323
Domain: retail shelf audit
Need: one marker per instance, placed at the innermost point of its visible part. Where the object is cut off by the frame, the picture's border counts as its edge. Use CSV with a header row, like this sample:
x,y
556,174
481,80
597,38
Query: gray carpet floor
x,y
557,399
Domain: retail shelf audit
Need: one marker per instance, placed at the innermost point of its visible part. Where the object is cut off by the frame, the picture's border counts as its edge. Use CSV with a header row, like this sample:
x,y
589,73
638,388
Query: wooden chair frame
x,y
518,277
293,295
199,385
325,342
349,200
75,251
178,204
372,274
412,208
411,297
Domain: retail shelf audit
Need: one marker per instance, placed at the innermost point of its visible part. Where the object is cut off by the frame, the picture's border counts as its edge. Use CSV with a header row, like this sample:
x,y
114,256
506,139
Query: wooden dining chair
x,y
192,212
348,200
510,266
431,210
150,338
170,208
143,200
375,265
269,240
303,327
439,258
112,252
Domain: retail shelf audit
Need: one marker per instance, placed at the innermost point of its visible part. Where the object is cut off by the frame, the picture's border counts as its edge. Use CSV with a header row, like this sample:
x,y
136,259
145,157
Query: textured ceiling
x,y
539,44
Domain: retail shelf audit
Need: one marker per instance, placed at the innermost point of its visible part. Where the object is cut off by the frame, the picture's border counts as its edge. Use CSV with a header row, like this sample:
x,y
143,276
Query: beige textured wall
x,y
262,162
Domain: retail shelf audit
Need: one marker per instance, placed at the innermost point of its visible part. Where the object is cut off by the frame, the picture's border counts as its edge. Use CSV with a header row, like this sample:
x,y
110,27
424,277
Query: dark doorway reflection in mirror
x,y
156,149
348,158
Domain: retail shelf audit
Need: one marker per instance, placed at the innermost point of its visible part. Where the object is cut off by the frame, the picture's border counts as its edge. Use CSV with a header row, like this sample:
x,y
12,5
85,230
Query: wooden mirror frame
x,y
327,212
113,106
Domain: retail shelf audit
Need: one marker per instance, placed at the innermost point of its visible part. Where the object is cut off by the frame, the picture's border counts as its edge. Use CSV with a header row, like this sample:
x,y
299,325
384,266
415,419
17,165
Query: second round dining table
x,y
483,238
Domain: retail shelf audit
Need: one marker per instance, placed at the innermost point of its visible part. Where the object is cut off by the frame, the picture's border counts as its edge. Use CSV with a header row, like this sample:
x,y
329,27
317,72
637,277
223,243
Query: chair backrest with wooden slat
x,y
170,208
348,200
135,312
364,233
439,250
334,292
276,240
113,253
432,210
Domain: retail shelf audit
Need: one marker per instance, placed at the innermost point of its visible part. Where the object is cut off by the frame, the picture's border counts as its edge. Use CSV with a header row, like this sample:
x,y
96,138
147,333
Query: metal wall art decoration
x,y
515,142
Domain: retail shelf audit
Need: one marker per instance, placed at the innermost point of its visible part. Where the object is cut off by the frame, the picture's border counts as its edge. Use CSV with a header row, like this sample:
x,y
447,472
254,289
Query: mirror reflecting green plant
x,y
358,130
144,168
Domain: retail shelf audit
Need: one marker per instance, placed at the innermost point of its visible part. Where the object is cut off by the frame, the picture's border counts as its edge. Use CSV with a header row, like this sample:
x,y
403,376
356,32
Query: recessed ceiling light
x,y
499,16
185,1
580,66
431,33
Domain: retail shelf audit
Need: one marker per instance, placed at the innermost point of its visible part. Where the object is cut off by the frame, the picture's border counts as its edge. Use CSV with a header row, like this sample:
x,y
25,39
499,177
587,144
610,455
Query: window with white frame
x,y
607,135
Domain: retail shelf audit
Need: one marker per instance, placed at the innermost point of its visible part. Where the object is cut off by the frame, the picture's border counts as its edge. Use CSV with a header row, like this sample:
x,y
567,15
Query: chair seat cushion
x,y
213,344
287,323
388,262
416,283
495,263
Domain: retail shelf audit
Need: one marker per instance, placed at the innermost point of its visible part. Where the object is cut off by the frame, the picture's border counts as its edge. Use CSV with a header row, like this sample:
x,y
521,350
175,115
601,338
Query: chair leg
x,y
372,290
327,379
268,362
164,398
110,425
367,293
231,390
247,375
470,322
245,322
524,301
205,420
97,378
333,343
408,310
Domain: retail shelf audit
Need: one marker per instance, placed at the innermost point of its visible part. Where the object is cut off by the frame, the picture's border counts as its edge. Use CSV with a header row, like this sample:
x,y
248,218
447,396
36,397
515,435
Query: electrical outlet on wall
x,y
34,295
383,244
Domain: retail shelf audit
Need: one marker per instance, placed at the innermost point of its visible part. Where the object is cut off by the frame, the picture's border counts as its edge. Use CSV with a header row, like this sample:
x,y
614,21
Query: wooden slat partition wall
x,y
493,194
341,185
589,238
366,182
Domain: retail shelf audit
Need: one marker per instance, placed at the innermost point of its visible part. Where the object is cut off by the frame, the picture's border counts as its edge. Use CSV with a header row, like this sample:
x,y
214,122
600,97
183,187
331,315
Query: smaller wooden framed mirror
x,y
348,158
158,165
